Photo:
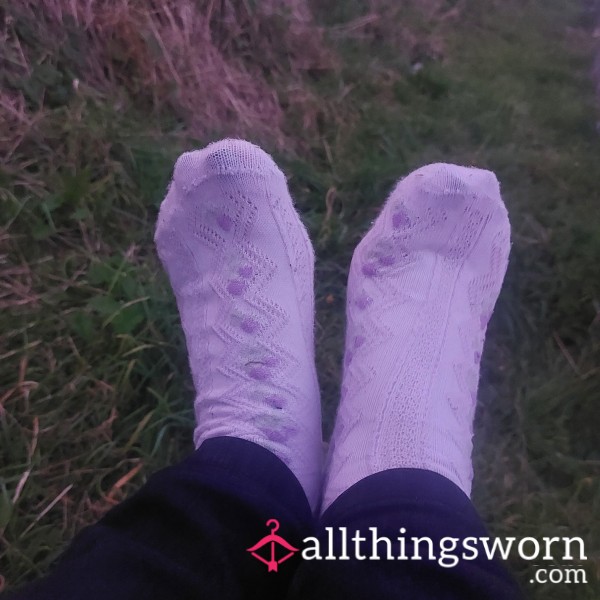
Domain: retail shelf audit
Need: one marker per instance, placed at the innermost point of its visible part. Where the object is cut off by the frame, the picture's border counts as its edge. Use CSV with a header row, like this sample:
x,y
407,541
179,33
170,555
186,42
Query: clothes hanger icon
x,y
273,540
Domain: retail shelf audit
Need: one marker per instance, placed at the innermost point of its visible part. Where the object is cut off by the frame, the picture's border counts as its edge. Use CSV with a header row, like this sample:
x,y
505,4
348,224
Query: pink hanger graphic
x,y
272,539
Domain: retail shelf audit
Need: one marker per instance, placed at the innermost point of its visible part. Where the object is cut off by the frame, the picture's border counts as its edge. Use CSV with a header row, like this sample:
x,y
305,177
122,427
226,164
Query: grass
x,y
95,393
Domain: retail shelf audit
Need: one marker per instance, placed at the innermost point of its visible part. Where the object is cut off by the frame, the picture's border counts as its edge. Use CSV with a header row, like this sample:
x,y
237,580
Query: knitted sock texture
x,y
422,286
241,266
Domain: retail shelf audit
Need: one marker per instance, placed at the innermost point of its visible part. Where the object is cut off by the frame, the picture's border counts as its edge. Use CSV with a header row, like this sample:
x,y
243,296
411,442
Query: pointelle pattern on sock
x,y
422,286
241,265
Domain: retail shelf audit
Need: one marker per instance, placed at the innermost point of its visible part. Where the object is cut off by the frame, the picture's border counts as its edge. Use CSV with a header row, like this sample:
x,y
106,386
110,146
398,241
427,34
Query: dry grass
x,y
216,64
213,63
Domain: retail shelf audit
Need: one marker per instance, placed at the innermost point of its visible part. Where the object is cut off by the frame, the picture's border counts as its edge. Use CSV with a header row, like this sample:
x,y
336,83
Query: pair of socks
x,y
422,286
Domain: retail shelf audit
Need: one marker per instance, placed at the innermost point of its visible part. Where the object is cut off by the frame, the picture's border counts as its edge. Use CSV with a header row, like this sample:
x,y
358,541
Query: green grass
x,y
94,382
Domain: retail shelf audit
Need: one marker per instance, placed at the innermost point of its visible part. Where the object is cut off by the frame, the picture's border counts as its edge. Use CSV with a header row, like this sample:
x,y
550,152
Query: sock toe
x,y
225,157
453,181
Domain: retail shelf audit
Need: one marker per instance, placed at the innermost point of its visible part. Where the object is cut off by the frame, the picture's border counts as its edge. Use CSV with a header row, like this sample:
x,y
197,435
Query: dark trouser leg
x,y
424,504
185,533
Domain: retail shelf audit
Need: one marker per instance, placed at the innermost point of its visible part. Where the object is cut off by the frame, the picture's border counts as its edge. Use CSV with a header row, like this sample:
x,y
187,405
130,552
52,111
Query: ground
x,y
96,102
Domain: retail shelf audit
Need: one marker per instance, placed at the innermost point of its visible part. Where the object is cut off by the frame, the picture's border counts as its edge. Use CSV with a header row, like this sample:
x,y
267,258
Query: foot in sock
x,y
241,266
422,286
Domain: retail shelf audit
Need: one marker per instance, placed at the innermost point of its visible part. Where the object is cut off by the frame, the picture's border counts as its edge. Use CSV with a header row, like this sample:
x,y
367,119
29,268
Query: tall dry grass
x,y
210,63
240,66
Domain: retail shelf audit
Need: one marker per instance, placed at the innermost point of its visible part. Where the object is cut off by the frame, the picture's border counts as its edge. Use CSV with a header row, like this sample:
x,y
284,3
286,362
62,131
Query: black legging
x,y
186,535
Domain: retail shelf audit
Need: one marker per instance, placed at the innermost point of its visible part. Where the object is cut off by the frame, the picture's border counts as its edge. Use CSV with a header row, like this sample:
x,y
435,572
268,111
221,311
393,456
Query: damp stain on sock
x,y
369,270
235,287
275,402
363,301
249,325
387,260
281,435
400,220
260,370
245,271
224,222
